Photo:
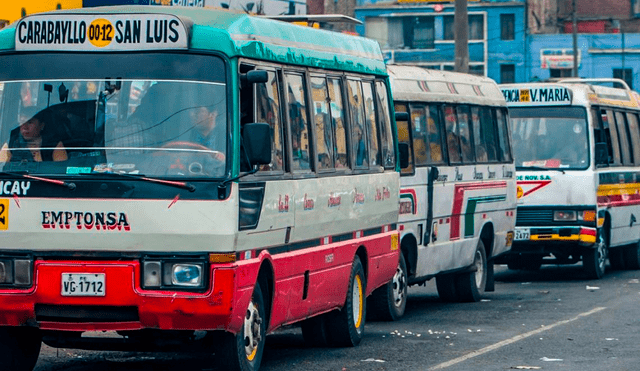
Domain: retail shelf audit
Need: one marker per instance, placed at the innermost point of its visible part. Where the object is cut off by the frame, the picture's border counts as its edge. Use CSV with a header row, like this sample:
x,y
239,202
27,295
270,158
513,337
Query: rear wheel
x,y
389,302
593,260
314,331
470,286
632,256
346,326
244,350
19,348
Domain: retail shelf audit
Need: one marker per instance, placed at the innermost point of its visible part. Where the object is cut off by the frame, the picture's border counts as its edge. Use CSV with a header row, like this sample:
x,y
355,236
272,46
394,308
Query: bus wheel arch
x,y
487,236
409,247
266,282
361,253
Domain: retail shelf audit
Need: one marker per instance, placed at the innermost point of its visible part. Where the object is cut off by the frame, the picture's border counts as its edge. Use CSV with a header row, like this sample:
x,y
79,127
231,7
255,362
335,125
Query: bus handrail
x,y
590,80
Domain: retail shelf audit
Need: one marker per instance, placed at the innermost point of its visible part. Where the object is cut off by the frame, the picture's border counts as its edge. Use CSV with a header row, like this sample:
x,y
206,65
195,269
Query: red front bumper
x,y
210,310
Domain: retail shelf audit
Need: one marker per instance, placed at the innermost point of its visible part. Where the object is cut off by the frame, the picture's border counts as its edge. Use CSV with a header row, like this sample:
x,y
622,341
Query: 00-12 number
x,y
95,31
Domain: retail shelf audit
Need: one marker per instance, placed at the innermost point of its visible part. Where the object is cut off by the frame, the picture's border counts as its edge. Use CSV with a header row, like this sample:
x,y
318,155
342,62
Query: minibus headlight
x,y
15,272
564,216
186,274
172,274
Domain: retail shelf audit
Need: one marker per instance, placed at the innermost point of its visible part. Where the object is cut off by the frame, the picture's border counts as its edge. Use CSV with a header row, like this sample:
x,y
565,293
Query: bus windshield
x,y
171,127
550,137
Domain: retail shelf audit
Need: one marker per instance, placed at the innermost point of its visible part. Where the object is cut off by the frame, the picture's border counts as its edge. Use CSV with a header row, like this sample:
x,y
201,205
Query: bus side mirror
x,y
404,155
255,77
602,154
402,116
256,140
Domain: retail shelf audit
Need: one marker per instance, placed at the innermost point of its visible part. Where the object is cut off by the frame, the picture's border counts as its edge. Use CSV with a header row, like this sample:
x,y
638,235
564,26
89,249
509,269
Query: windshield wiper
x,y
184,185
25,174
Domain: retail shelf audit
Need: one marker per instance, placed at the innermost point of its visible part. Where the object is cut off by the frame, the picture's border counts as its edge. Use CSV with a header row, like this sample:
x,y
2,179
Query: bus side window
x,y
384,120
434,139
372,128
268,110
360,157
419,133
623,137
453,143
338,124
404,136
503,136
478,136
464,133
298,121
610,126
489,134
634,135
323,135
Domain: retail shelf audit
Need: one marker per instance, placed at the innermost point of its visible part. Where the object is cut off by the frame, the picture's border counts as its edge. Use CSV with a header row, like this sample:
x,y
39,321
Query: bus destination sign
x,y
547,95
101,32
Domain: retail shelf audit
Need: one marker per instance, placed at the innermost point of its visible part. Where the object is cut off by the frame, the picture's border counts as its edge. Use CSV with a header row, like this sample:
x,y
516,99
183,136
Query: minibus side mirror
x,y
256,140
602,154
255,77
402,116
404,155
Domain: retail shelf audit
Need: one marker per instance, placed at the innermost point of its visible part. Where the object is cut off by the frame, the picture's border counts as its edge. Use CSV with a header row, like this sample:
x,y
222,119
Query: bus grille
x,y
525,217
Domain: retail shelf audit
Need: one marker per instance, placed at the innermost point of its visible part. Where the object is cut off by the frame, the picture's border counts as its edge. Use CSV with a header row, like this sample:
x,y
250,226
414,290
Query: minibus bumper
x,y
125,305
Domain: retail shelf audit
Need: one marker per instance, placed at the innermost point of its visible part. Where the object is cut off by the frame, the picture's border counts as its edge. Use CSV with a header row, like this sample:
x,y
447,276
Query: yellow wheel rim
x,y
357,301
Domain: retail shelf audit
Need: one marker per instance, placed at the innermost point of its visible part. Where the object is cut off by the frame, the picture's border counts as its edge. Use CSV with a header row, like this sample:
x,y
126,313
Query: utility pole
x,y
461,34
574,31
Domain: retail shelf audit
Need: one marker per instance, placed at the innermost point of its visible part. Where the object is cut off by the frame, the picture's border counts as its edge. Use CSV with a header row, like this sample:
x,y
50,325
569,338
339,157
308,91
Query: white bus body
x,y
577,149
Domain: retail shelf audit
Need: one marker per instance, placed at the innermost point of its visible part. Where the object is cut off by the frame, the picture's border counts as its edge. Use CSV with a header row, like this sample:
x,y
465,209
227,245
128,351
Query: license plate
x,y
83,284
522,234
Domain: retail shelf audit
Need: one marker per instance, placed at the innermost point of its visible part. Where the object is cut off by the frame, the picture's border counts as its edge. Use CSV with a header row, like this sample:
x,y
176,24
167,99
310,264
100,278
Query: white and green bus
x,y
190,178
457,197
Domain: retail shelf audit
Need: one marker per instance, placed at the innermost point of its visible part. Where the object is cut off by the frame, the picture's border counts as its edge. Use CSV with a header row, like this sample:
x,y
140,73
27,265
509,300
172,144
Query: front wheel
x,y
19,348
345,328
470,286
389,302
244,350
593,260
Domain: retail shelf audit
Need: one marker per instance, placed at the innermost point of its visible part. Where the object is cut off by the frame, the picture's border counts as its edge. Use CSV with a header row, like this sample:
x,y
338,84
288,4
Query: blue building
x,y
599,55
422,33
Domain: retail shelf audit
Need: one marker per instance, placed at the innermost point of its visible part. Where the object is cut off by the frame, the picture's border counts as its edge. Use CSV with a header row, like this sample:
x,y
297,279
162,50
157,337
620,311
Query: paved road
x,y
552,319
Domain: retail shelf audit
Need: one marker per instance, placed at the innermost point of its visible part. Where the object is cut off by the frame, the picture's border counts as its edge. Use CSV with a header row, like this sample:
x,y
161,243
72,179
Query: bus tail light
x,y
564,216
587,215
16,272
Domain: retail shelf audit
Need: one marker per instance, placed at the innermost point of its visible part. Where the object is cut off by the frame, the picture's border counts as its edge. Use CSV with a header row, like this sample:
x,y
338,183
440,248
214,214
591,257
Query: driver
x,y
31,135
207,129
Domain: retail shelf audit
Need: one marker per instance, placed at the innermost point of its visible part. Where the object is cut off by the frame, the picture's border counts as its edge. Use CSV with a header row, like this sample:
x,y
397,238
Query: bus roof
x,y
411,83
243,35
568,92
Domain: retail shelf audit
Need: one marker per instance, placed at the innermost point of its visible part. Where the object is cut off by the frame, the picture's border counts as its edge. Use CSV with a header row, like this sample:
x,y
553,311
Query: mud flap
x,y
490,286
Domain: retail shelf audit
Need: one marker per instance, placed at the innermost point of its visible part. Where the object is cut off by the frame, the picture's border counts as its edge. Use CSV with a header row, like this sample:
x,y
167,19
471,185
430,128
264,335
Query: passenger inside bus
x,y
30,141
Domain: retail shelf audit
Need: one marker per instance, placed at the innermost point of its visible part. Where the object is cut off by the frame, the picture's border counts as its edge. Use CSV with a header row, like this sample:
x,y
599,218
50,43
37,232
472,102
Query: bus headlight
x,y
173,274
186,274
16,272
564,216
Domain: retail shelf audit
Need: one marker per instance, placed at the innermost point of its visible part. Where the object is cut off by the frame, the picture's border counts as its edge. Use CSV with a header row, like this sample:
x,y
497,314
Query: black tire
x,y
243,351
470,286
19,348
632,256
616,259
388,303
314,331
594,259
345,327
446,285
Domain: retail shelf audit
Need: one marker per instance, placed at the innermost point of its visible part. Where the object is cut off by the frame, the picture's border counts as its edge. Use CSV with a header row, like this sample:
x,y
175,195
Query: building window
x,y
560,72
507,73
626,75
477,69
476,27
418,32
507,28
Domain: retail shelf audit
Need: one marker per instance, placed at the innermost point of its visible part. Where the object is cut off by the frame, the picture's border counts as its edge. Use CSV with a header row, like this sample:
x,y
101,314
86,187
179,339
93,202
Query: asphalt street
x,y
551,319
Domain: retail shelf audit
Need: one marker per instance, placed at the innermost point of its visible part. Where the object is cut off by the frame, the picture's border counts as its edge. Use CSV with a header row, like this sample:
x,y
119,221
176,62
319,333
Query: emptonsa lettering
x,y
105,221
100,32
